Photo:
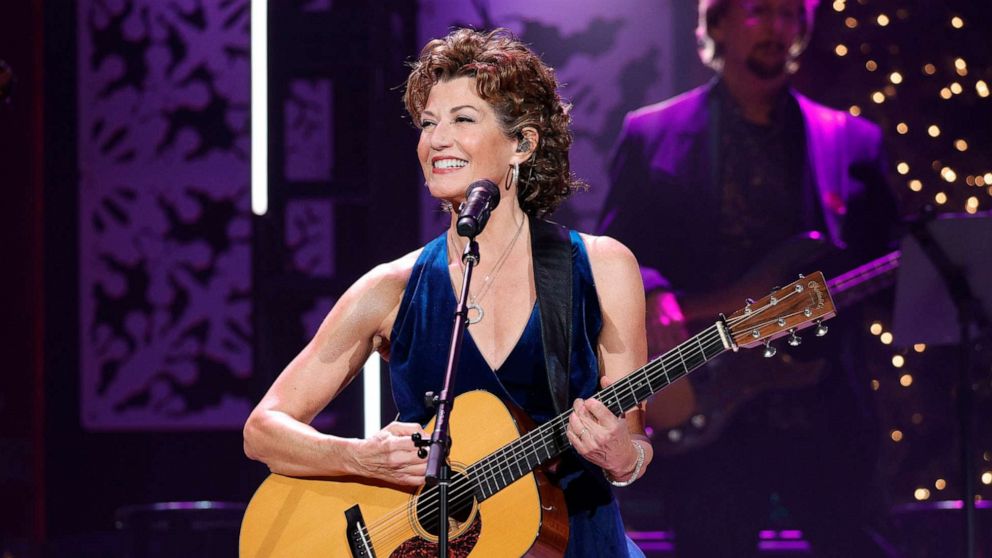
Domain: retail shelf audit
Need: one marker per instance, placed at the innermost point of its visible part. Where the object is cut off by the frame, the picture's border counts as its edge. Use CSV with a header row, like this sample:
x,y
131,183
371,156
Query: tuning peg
x,y
821,329
794,340
769,350
747,305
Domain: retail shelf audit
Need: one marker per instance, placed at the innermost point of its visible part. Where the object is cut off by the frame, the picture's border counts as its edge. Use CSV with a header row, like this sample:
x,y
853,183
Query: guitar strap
x,y
552,252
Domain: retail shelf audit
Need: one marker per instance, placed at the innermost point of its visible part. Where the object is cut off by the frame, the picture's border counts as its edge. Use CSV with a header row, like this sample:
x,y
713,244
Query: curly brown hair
x,y
523,92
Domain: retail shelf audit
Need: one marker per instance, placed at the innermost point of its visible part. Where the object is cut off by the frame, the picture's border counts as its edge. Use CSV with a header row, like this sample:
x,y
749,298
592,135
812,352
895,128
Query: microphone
x,y
481,197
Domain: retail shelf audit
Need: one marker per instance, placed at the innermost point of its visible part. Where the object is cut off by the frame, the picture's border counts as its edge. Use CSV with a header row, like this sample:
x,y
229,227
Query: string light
x,y
904,101
961,67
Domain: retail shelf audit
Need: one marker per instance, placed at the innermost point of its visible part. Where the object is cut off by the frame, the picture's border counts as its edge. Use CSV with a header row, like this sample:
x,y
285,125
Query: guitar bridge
x,y
357,535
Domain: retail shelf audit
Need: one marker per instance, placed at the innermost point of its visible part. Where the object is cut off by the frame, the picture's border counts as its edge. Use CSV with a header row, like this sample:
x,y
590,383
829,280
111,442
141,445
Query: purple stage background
x,y
164,228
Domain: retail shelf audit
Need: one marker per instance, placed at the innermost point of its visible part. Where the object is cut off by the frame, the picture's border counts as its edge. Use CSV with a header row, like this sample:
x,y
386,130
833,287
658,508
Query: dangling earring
x,y
514,176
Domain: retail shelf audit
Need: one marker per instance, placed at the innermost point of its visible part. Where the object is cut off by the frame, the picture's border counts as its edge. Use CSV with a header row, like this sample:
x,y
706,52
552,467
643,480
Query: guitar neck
x,y
496,471
855,285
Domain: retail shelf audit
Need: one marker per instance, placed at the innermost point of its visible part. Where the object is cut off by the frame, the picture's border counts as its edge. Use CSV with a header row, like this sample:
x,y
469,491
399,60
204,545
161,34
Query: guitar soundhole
x,y
461,503
464,523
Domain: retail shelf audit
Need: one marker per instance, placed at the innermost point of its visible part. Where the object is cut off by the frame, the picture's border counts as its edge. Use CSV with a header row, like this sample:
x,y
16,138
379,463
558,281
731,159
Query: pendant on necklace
x,y
478,317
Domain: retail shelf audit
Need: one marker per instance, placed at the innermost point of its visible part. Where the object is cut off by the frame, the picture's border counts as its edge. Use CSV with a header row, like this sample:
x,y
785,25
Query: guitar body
x,y
296,517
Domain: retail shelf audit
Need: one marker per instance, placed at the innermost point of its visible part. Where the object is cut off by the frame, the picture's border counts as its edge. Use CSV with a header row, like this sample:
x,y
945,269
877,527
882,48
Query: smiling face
x,y
461,140
758,35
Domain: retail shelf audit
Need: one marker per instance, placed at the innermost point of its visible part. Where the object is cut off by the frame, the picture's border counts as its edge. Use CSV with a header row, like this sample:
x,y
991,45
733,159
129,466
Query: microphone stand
x,y
438,470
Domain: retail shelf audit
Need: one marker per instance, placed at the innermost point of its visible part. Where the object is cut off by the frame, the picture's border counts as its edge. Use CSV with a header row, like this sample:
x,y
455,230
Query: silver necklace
x,y
489,279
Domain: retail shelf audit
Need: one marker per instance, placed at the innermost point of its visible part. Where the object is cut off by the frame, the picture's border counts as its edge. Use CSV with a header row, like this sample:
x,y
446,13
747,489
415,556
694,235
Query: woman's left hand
x,y
601,437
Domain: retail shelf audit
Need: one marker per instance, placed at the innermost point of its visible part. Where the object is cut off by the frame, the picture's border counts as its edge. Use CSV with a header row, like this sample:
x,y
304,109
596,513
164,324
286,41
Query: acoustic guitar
x,y
501,503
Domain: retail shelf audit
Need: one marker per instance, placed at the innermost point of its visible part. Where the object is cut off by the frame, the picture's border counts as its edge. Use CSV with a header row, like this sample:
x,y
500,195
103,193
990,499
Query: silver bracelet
x,y
637,468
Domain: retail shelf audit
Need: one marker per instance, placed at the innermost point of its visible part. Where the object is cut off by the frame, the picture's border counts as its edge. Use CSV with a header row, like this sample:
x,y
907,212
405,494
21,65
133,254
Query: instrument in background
x,y
501,502
720,392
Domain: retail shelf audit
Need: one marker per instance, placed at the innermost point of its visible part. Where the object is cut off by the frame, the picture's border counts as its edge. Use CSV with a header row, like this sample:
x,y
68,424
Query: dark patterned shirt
x,y
761,173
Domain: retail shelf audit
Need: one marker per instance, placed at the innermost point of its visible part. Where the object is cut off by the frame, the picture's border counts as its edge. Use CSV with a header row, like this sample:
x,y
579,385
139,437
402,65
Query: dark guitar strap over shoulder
x,y
552,251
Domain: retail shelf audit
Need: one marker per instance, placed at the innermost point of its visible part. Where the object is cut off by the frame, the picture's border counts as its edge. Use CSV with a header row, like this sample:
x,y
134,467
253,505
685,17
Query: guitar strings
x,y
387,525
544,431
430,498
518,448
491,466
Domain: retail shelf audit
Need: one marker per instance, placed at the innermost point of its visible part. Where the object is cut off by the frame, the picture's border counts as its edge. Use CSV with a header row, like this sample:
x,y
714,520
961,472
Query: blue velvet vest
x,y
418,355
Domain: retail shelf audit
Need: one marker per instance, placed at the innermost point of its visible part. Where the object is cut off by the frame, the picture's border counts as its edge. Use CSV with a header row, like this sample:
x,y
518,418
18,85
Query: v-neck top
x,y
418,356
422,334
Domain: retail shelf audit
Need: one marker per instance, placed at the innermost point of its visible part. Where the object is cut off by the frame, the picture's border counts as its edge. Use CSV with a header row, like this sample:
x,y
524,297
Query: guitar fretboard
x,y
514,460
862,281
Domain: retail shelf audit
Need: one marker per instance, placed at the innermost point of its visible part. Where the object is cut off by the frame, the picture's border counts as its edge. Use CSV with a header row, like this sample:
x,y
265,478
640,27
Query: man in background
x,y
723,193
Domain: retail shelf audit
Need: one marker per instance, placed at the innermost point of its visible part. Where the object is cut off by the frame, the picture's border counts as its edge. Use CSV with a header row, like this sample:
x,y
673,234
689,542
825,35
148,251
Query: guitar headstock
x,y
796,306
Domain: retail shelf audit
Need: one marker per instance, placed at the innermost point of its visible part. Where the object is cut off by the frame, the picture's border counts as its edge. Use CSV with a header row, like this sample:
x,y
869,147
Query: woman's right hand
x,y
390,455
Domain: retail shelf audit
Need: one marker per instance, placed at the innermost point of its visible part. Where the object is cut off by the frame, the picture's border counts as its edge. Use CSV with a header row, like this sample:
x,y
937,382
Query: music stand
x,y
944,297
